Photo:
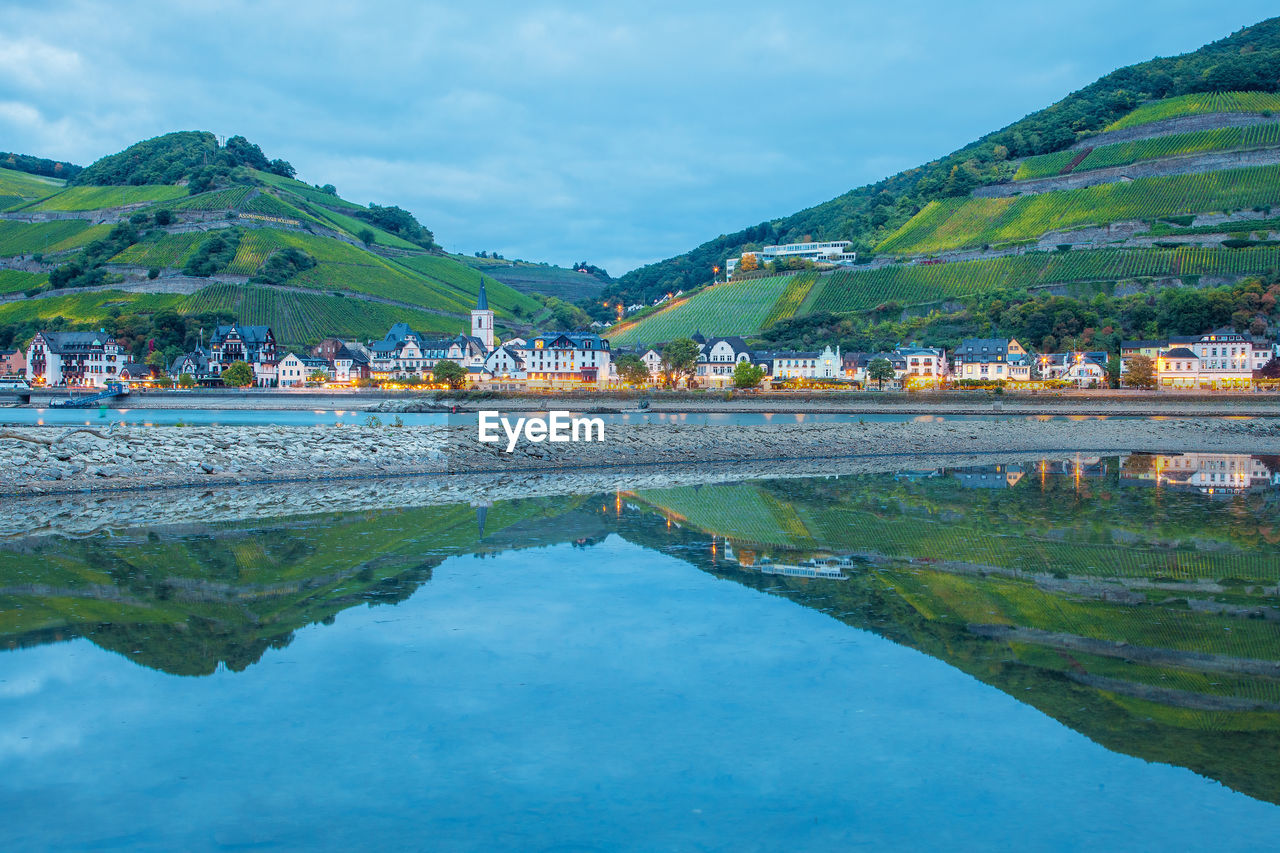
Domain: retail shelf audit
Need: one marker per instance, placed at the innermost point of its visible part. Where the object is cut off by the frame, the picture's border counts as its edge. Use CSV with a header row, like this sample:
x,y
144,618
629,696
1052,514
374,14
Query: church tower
x,y
482,319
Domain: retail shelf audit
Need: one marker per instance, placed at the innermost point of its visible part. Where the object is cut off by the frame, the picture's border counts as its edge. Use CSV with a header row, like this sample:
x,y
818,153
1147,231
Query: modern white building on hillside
x,y
832,251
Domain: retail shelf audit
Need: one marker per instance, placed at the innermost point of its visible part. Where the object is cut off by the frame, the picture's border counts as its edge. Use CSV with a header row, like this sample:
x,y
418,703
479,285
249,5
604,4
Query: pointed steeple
x,y
482,301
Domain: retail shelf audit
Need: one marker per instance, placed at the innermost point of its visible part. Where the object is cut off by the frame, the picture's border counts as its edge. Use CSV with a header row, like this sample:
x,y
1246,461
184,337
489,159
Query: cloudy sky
x,y
618,135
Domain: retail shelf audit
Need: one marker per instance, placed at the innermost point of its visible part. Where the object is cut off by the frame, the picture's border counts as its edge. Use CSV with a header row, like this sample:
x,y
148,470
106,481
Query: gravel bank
x,y
44,459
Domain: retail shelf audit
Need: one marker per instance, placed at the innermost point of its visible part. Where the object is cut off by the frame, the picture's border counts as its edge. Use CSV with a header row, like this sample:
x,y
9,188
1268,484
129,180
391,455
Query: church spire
x,y
482,301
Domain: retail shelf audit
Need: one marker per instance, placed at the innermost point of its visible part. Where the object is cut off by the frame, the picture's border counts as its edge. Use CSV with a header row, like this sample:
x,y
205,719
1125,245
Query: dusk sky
x,y
618,136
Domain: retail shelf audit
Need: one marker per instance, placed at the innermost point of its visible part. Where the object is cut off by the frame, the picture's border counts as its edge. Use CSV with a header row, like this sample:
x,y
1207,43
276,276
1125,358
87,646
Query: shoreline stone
x,y
45,460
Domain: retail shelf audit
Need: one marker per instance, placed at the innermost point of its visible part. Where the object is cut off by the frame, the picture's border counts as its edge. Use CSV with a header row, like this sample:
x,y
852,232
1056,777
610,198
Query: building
x,y
991,360
825,365
74,358
1207,473
717,358
255,345
350,363
506,364
12,361
294,370
832,251
567,359
197,365
1223,358
922,365
404,352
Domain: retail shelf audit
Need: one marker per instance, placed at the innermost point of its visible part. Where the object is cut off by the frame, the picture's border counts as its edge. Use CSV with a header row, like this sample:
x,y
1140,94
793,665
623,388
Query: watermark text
x,y
558,426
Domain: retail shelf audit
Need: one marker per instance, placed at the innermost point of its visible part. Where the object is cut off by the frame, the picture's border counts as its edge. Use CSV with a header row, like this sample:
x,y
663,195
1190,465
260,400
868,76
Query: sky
x,y
617,135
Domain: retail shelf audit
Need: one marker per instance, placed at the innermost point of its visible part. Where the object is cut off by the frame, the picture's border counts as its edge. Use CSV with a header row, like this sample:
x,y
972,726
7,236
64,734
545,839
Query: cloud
x,y
620,134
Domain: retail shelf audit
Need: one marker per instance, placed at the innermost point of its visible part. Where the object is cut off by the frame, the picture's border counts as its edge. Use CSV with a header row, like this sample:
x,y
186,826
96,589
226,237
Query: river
x,y
1055,655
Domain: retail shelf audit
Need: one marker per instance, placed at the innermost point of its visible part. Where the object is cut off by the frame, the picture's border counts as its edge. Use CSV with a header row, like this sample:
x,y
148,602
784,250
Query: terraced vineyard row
x,y
306,192
792,298
299,318
167,250
916,284
355,227
228,199
731,308
16,281
1200,104
27,238
962,223
97,198
343,267
466,281
86,308
742,511
1126,153
24,186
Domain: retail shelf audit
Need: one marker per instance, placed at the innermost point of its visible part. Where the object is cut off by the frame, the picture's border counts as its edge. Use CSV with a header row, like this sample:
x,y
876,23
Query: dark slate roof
x,y
1143,344
482,300
59,342
355,355
250,334
1179,352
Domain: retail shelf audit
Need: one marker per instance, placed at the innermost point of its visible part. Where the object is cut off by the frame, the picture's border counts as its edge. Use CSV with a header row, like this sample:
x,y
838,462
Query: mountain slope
x,y
1144,160
1249,59
228,233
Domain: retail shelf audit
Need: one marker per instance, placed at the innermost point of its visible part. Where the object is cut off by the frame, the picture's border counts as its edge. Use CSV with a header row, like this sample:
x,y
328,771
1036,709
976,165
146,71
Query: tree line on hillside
x,y
39,165
192,155
1045,322
1249,60
167,332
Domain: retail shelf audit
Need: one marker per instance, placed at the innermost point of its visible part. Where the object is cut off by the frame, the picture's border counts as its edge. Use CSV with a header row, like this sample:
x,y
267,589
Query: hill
x,y
547,279
1165,172
183,226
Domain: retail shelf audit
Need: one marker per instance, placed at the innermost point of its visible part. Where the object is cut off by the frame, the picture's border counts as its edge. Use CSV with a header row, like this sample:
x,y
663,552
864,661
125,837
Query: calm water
x,y
1066,655
309,417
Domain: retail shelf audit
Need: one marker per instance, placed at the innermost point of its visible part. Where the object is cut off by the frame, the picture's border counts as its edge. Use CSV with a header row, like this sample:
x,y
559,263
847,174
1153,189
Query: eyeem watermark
x,y
558,426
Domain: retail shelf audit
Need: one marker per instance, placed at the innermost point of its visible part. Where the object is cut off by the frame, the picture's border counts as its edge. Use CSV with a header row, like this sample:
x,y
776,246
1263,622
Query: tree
x,y
748,263
317,377
238,375
450,373
880,370
679,360
155,361
1113,371
329,189
186,380
632,370
1141,373
367,236
1270,370
747,375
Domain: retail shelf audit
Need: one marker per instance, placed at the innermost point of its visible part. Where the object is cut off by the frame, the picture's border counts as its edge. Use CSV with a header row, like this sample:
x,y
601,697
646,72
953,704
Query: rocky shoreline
x,y
45,460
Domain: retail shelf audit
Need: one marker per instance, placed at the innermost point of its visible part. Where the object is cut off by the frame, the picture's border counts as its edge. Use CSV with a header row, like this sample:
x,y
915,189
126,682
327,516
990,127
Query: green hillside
x,y
275,250
932,209
1200,103
731,308
991,222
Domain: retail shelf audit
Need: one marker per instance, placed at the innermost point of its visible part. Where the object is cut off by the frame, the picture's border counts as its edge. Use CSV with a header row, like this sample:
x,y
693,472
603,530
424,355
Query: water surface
x,y
666,668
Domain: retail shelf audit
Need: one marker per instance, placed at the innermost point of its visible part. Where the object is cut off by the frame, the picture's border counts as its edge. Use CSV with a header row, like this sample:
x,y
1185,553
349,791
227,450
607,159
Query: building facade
x,y
73,358
255,345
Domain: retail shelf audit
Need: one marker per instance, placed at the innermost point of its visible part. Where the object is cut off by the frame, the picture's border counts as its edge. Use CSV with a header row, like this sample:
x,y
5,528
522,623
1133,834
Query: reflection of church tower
x,y
482,513
482,319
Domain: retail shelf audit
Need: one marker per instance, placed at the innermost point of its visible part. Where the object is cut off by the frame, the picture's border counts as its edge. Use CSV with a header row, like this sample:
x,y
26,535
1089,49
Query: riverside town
x,y
634,427
239,355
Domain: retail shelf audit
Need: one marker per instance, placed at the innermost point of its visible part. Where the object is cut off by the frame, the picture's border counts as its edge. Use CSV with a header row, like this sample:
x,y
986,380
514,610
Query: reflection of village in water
x,y
1218,475
1134,598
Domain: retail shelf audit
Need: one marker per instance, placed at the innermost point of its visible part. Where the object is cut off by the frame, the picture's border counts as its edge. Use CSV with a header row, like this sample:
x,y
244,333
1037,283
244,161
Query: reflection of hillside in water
x,y
1135,599
1140,609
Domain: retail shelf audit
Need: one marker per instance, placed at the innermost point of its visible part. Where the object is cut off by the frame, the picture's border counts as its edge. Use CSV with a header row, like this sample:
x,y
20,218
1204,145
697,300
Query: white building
x,y
832,251
991,360
717,358
806,365
567,359
74,358
294,370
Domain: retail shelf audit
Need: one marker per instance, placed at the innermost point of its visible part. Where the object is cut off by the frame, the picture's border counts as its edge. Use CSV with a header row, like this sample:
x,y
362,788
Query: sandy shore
x,y
36,460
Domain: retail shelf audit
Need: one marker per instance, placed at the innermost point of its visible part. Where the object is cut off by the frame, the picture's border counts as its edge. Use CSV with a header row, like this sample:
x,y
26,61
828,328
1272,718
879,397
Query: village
x,y
248,356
